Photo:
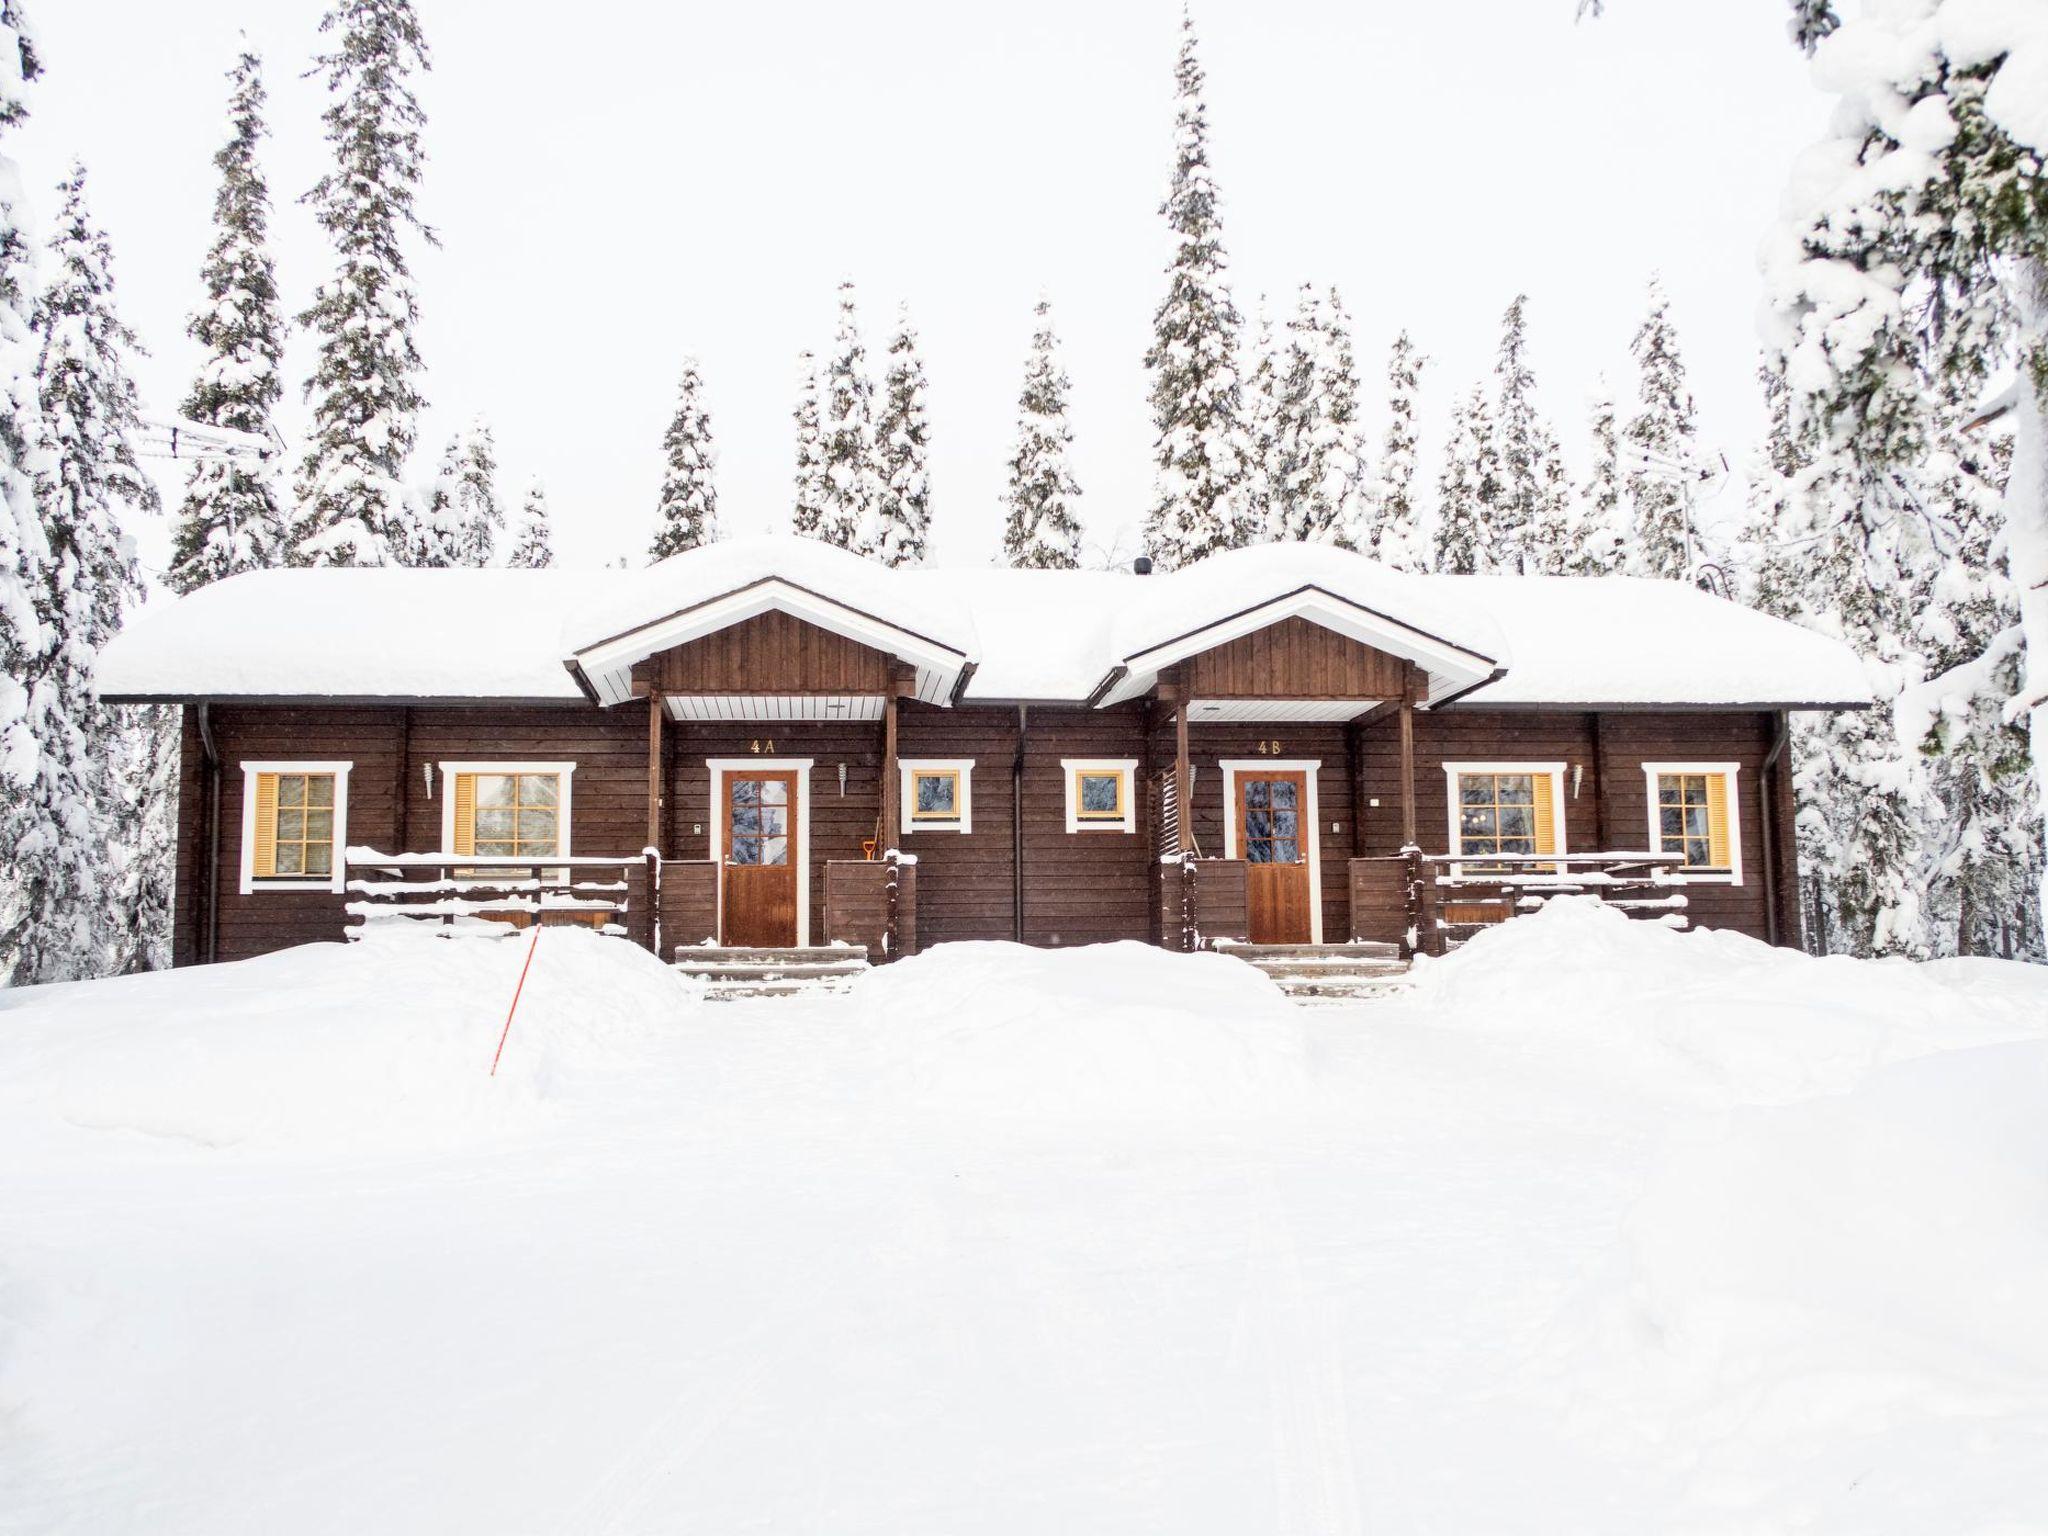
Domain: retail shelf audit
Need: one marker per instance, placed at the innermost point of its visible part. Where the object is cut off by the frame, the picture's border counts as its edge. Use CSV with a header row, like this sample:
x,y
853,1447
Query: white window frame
x,y
907,770
1733,874
1555,771
1072,768
1309,767
252,770
720,768
448,770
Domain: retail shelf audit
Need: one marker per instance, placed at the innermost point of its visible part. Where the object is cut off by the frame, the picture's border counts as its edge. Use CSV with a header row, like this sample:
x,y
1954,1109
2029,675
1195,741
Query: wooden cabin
x,y
771,743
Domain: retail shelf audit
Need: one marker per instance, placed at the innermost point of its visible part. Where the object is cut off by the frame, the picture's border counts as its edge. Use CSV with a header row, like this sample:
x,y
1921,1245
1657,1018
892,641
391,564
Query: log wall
x,y
1083,887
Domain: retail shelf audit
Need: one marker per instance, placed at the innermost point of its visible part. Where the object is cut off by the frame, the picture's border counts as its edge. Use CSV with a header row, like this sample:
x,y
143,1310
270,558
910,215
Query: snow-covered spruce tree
x,y
232,518
847,442
355,508
1464,490
1661,449
1042,532
479,516
1199,449
1397,536
1918,233
903,500
1262,489
64,826
22,548
1317,478
1525,532
687,515
1601,530
1982,842
807,512
533,541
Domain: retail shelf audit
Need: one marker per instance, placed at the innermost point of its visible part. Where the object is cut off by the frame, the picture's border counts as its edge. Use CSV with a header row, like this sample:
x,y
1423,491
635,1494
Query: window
x,y
938,794
1506,808
1692,812
515,812
294,825
1099,795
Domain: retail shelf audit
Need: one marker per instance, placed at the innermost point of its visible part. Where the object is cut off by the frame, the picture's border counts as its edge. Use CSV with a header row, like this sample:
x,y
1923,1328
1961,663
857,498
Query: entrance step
x,y
1328,974
734,973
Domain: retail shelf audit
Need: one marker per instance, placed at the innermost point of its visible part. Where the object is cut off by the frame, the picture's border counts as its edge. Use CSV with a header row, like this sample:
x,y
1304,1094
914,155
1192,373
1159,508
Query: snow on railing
x,y
1468,892
450,888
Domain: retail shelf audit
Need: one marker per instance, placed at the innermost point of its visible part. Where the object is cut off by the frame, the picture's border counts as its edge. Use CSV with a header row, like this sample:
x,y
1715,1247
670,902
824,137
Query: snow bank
x,y
1114,1031
1845,1283
1710,1016
389,1039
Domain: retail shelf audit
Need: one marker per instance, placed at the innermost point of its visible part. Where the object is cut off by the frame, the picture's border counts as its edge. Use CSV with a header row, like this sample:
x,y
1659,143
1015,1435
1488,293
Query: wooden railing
x,y
1446,899
613,895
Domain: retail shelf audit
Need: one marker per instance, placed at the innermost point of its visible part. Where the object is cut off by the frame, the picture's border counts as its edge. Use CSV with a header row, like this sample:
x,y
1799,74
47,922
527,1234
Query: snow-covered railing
x,y
1451,897
602,893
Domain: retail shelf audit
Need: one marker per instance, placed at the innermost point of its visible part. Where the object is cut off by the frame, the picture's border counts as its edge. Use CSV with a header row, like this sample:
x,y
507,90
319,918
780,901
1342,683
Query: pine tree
x,y
533,544
1465,490
1518,447
479,518
903,510
232,518
1200,450
63,832
847,515
1602,534
1397,537
688,512
1042,532
1317,478
23,550
1662,450
1261,489
355,506
808,510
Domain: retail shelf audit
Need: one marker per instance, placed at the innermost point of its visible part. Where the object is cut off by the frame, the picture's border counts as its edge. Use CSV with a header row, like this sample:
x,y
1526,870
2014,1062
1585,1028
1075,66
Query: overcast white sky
x,y
618,184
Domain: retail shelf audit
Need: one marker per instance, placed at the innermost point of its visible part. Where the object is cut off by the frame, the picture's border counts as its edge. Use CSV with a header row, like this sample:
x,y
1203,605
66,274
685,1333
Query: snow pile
x,y
389,1039
1116,1031
1711,1017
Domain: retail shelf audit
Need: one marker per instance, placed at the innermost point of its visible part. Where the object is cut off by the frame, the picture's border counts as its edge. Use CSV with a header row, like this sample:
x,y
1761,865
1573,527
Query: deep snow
x,y
1606,1228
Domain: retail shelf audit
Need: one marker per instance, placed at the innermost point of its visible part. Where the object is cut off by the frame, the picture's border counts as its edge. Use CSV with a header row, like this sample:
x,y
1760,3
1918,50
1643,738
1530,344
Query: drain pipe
x,y
1767,787
1017,822
210,930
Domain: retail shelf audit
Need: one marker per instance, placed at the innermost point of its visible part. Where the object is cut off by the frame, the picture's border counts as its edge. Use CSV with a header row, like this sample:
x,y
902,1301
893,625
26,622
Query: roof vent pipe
x,y
1142,566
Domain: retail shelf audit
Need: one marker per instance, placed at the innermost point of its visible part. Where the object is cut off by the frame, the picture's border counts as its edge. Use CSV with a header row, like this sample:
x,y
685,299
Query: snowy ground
x,y
1607,1229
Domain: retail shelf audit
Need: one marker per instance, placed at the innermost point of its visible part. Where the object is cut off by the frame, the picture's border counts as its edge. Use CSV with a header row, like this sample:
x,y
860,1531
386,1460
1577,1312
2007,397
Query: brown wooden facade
x,y
645,779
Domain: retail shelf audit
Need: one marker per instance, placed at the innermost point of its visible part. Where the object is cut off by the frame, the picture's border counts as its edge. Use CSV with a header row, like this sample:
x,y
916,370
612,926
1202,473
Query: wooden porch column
x,y
1408,770
891,807
657,708
1185,820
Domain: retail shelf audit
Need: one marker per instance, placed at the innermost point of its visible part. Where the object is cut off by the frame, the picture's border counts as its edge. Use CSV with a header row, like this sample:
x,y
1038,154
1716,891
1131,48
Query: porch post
x,y
1408,769
890,831
1185,821
657,709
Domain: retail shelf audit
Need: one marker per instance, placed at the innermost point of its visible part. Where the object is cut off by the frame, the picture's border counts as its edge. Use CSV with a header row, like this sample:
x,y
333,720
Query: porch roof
x,y
972,634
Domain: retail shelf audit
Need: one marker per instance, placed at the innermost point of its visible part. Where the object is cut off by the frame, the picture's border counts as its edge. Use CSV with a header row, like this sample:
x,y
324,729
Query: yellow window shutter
x,y
1546,813
264,865
465,813
1718,854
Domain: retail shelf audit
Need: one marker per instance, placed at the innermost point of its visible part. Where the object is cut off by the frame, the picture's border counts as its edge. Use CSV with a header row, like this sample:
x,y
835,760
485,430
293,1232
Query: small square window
x,y
1099,797
294,818
938,794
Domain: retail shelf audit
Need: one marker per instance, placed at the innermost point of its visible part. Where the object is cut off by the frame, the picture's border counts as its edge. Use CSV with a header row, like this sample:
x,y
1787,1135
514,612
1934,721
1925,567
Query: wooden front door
x,y
1273,830
760,859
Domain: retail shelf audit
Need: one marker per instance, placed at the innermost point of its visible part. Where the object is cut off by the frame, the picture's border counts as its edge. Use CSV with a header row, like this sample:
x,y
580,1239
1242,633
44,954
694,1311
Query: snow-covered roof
x,y
1041,636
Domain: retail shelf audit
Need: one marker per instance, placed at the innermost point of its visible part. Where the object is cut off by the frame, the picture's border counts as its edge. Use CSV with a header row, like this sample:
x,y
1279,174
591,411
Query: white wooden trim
x,y
909,767
801,766
1656,843
566,772
1554,770
1071,769
1308,767
251,770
